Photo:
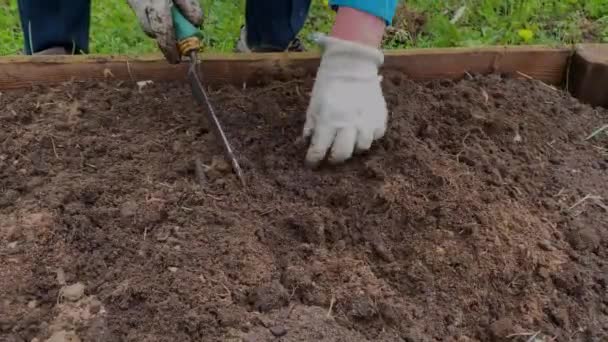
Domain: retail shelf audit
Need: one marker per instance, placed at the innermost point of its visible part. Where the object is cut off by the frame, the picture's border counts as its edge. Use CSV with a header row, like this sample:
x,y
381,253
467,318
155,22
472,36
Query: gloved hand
x,y
156,21
347,111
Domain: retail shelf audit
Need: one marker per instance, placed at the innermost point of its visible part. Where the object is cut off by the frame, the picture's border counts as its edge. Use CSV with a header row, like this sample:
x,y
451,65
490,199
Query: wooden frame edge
x,y
588,74
545,63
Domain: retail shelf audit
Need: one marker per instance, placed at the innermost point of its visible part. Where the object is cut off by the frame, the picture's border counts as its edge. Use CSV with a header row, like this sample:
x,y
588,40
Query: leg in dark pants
x,y
273,24
55,23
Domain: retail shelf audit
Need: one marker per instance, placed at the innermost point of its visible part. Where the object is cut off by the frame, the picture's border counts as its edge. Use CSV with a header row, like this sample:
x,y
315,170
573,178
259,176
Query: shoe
x,y
242,46
57,50
296,45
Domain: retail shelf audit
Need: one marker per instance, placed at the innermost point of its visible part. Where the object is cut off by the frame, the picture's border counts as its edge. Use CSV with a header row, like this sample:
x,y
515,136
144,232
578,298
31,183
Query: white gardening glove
x,y
156,21
347,111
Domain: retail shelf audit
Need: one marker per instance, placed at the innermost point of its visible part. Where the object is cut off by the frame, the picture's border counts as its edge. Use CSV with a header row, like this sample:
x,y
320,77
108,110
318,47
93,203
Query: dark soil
x,y
465,223
407,25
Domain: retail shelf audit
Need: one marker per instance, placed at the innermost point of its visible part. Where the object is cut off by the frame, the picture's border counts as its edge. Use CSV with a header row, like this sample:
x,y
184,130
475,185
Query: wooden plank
x,y
19,72
544,63
588,77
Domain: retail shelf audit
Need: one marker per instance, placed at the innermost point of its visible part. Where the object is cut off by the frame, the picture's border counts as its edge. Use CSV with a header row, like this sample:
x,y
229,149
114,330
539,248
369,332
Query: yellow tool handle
x,y
188,36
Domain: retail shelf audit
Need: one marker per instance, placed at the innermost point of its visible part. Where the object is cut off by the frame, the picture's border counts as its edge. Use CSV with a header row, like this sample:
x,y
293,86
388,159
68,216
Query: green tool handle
x,y
183,28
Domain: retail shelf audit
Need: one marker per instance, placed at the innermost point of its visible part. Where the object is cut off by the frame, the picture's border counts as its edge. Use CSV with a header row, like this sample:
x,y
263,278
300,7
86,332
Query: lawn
x,y
432,23
423,23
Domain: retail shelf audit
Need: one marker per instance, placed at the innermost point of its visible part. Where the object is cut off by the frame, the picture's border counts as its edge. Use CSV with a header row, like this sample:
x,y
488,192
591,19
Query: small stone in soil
x,y
218,168
362,308
73,292
177,146
268,297
219,163
501,328
32,304
61,277
98,331
228,317
388,312
383,252
64,336
278,330
543,272
340,245
34,182
162,235
584,239
173,269
9,198
128,209
12,233
95,306
560,316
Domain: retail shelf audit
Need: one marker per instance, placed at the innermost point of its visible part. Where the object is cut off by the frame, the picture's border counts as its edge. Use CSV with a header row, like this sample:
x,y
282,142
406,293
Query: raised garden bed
x,y
482,215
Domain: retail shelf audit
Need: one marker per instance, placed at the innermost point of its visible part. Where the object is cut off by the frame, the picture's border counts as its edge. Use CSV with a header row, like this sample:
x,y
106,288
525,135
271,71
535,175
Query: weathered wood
x,y
22,71
588,77
544,63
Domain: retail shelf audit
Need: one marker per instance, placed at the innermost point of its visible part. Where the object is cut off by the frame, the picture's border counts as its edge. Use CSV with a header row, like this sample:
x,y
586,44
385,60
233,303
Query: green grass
x,y
484,22
494,22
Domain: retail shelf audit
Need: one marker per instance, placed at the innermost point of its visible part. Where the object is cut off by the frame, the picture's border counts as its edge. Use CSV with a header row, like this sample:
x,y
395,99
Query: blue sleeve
x,y
384,9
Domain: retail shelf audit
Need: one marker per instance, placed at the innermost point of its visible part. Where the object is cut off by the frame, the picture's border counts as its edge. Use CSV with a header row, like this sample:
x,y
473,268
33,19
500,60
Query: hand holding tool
x,y
188,41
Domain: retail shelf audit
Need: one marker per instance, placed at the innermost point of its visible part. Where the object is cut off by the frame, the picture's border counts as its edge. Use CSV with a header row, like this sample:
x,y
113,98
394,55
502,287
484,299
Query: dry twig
x,y
129,71
596,132
600,204
331,306
582,200
107,73
531,334
199,168
533,337
54,148
550,144
532,78
485,95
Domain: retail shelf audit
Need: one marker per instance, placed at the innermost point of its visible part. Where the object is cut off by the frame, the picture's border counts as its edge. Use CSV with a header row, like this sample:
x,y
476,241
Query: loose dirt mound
x,y
478,217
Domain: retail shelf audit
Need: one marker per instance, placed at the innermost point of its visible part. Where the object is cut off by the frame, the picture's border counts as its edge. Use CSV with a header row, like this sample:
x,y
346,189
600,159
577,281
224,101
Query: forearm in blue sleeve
x,y
384,9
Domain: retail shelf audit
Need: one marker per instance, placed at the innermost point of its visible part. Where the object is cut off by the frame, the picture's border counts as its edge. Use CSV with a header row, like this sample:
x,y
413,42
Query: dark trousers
x,y
271,24
55,23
